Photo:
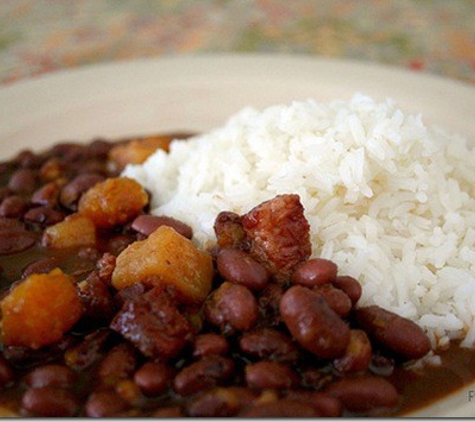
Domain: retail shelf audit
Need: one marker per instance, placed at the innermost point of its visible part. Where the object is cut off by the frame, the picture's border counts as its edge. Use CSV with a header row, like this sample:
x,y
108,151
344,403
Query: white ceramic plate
x,y
197,93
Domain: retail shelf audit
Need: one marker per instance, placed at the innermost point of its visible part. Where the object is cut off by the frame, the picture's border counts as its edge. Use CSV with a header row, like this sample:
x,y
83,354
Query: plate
x,y
196,93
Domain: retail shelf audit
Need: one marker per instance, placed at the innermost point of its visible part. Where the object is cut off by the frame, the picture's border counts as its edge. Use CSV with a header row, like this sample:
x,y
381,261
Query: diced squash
x,y
169,258
137,151
39,310
74,230
112,202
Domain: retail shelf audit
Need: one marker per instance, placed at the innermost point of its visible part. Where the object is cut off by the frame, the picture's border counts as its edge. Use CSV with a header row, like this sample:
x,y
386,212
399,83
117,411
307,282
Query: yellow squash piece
x,y
39,310
169,258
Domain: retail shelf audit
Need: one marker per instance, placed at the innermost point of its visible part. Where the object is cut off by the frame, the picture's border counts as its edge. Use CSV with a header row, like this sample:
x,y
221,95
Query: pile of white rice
x,y
389,199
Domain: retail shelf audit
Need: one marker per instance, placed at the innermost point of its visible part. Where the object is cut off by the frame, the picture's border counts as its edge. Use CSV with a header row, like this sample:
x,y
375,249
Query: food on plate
x,y
306,260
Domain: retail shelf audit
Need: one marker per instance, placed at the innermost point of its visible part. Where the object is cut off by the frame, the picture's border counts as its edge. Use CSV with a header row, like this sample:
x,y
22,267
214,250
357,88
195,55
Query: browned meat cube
x,y
153,324
279,232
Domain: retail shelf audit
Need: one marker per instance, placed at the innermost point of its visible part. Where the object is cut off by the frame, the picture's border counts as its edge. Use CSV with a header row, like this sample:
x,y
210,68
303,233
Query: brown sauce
x,y
417,388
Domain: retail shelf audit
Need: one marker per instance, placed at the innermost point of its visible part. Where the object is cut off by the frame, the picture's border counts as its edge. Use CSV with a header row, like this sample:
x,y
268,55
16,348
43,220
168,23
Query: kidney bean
x,y
311,321
153,378
336,298
44,216
13,206
398,335
49,402
266,374
231,307
23,181
238,267
47,195
326,405
51,375
52,169
267,343
210,344
72,191
118,364
6,373
364,393
105,403
205,373
99,149
350,286
314,272
118,243
14,237
221,402
147,224
27,159
279,409
168,412
358,354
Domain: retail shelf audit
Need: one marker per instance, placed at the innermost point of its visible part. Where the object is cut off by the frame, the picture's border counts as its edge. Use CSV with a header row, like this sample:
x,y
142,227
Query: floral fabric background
x,y
40,36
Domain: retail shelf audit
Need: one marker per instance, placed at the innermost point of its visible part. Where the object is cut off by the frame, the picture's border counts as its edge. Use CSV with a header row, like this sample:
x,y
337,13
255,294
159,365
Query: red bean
x,y
210,344
315,326
365,393
221,402
51,376
43,265
44,216
47,195
14,237
49,402
398,335
118,364
280,409
270,344
153,378
23,181
238,267
13,206
336,298
72,191
267,375
232,307
325,404
350,286
203,374
168,412
358,354
314,272
147,224
107,403
6,373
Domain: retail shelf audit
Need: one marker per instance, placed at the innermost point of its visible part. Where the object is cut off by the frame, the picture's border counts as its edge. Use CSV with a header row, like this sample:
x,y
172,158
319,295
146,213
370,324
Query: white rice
x,y
389,199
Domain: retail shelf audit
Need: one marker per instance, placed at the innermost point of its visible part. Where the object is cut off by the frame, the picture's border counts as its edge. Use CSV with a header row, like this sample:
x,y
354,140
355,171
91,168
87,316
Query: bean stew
x,y
107,310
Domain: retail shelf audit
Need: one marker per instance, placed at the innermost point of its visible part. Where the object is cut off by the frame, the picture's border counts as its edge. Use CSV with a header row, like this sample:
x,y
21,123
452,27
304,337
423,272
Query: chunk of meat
x,y
279,233
166,258
74,230
112,202
230,232
39,310
153,323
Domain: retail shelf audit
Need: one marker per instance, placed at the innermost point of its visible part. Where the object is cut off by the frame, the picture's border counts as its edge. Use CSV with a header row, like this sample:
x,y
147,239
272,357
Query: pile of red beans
x,y
271,339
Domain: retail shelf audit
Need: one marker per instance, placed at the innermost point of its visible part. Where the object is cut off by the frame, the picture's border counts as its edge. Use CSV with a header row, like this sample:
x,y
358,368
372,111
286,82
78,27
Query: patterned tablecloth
x,y
40,36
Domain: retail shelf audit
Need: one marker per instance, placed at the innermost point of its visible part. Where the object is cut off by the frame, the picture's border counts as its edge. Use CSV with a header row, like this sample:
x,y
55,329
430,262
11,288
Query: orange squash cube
x,y
137,151
112,202
166,258
74,230
39,310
